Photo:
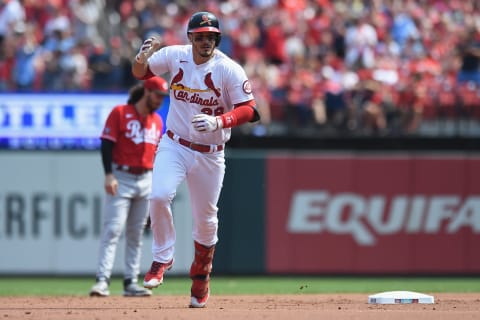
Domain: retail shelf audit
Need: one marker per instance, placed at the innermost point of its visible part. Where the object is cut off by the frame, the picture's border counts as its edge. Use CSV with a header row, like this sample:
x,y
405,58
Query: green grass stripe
x,y
177,285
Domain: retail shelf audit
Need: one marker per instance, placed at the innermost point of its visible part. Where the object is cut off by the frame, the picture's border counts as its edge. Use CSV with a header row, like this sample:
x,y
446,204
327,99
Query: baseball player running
x,y
129,141
209,94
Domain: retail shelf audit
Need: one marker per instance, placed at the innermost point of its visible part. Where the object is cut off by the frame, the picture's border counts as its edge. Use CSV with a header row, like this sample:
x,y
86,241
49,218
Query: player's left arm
x,y
242,113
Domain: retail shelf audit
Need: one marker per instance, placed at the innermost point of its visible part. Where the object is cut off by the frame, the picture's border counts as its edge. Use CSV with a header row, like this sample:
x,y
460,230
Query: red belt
x,y
133,170
204,148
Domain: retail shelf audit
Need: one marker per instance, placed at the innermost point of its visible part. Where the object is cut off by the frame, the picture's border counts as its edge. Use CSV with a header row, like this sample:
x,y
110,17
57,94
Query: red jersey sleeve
x,y
111,130
242,113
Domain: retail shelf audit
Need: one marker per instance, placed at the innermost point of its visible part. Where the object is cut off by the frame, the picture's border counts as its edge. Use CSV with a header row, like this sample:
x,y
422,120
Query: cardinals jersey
x,y
212,88
135,138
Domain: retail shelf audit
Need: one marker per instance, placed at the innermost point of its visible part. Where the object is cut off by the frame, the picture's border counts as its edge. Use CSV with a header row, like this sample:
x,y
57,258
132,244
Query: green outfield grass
x,y
175,285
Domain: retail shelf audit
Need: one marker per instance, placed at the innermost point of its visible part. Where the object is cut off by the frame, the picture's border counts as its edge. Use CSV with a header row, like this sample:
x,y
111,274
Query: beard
x,y
152,107
206,53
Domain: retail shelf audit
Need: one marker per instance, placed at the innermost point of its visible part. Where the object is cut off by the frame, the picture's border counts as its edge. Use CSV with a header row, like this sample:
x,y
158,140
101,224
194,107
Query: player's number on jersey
x,y
213,112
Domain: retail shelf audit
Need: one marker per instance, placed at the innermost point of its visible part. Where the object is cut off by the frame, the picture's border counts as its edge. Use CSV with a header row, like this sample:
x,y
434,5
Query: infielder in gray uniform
x,y
129,142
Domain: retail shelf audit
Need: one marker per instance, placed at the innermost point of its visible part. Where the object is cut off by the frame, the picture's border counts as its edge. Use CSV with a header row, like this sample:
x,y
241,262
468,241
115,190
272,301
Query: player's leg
x,y
204,183
134,230
115,215
200,274
171,163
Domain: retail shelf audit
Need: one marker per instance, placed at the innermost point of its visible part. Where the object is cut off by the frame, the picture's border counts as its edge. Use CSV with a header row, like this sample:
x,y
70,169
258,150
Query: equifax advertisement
x,y
353,214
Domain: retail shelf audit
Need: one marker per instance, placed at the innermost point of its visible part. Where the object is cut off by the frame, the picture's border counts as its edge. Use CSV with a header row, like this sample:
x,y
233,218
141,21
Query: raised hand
x,y
148,47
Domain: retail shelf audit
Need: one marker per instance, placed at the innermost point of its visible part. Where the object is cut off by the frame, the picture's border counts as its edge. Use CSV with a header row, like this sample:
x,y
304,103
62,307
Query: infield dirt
x,y
291,307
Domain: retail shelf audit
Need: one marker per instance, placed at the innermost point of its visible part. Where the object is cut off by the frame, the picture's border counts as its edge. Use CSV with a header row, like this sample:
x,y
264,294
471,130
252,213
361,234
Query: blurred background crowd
x,y
354,67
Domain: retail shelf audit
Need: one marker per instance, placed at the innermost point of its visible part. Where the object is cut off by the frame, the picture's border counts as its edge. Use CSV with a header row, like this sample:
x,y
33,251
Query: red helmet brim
x,y
204,29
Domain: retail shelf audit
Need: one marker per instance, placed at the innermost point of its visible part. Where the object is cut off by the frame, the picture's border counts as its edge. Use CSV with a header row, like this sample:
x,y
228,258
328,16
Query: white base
x,y
400,297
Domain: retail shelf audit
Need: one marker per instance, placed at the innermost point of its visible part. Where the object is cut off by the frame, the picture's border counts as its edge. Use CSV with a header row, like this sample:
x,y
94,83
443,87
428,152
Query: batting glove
x,y
145,51
205,123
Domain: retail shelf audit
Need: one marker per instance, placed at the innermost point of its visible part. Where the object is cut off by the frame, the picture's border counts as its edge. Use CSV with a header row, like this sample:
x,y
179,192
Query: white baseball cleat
x,y
100,289
199,302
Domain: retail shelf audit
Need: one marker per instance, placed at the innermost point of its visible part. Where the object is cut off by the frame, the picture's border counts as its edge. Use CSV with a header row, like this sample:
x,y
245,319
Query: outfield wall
x,y
281,212
296,212
405,213
51,215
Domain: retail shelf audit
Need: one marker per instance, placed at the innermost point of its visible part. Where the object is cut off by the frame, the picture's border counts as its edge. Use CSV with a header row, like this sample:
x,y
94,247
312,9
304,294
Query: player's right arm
x,y
108,139
140,69
111,183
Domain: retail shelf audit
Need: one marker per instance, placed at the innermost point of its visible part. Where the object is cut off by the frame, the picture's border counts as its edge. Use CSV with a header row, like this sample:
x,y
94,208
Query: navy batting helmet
x,y
204,21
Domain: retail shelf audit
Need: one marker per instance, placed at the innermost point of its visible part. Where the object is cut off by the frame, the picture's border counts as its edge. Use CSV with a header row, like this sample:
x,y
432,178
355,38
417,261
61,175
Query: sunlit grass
x,y
178,285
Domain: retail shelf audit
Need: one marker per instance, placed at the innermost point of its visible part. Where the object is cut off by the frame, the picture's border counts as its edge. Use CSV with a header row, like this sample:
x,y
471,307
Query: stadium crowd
x,y
375,67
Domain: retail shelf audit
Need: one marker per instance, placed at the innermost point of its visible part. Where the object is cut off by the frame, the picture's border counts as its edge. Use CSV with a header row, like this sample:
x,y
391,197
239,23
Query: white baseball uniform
x,y
213,88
